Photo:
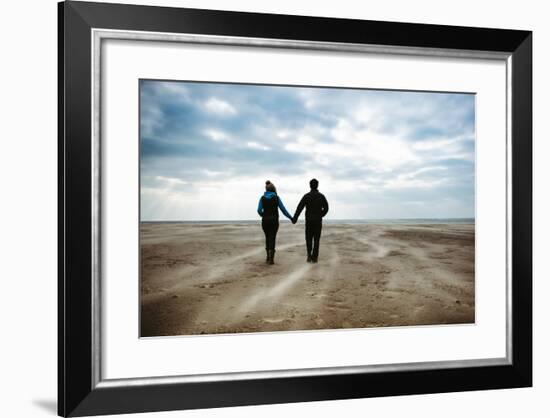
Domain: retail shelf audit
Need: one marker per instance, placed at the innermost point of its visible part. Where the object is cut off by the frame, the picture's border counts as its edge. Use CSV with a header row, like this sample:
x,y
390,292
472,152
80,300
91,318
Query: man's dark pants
x,y
313,236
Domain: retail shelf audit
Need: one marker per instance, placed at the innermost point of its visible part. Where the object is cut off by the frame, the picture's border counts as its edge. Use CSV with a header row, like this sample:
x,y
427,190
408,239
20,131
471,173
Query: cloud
x,y
220,107
255,145
377,153
216,136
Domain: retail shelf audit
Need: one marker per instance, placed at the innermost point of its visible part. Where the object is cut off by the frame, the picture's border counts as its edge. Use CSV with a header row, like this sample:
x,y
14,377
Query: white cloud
x,y
283,134
152,118
171,181
405,182
441,143
219,107
176,90
216,136
358,146
213,173
255,145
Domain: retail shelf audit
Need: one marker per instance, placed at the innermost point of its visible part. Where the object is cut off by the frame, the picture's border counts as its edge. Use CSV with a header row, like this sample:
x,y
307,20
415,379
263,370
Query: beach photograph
x,y
298,208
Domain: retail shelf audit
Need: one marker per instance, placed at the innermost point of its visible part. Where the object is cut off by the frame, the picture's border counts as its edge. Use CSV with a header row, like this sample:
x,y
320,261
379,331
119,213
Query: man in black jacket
x,y
316,207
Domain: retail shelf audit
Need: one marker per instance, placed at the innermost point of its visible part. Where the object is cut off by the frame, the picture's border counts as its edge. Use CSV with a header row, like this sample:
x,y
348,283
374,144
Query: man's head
x,y
314,184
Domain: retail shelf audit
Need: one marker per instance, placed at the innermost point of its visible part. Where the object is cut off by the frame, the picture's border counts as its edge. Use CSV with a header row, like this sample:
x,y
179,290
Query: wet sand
x,y
212,278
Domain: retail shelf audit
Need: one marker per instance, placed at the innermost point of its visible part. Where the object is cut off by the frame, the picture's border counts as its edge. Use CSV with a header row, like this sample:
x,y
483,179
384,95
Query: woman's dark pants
x,y
270,227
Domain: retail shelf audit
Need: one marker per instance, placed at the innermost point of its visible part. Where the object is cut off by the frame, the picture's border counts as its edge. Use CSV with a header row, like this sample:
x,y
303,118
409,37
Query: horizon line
x,y
338,219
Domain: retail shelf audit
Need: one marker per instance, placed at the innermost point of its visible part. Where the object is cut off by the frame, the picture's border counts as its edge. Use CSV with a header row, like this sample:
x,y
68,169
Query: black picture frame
x,y
78,394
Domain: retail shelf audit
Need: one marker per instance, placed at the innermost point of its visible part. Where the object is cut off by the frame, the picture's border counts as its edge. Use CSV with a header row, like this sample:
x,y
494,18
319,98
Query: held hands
x,y
294,220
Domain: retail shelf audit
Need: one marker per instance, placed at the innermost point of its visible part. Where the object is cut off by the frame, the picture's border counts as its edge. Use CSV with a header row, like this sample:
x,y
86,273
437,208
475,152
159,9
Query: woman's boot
x,y
271,256
267,256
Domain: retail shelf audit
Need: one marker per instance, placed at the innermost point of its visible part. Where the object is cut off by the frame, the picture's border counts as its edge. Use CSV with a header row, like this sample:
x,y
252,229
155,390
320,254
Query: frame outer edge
x,y
522,207
75,385
60,209
75,337
312,28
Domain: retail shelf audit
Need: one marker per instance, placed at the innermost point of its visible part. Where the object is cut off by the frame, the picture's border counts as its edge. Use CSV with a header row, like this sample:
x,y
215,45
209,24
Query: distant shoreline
x,y
407,221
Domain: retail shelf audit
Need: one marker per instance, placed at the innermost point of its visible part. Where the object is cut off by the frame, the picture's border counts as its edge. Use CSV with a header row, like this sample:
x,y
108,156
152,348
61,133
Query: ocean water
x,y
407,221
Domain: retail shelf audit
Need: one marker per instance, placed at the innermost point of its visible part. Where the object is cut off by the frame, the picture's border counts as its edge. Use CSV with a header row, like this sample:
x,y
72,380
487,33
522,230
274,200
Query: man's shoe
x,y
271,257
313,260
267,256
309,259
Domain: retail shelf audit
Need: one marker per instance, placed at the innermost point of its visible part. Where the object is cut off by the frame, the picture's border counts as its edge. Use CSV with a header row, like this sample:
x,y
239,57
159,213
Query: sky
x,y
206,150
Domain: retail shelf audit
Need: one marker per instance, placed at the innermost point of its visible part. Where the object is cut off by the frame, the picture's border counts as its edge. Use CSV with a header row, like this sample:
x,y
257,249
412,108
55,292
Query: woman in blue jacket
x,y
268,209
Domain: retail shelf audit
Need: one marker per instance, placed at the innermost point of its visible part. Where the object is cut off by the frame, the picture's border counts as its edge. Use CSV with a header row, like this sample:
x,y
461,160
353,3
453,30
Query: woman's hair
x,y
270,187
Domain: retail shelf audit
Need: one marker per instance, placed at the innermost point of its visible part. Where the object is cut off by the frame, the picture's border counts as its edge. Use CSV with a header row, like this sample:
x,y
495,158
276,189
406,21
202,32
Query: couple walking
x,y
316,207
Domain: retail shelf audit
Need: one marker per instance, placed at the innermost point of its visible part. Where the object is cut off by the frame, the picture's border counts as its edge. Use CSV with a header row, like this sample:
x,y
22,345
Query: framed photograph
x,y
262,208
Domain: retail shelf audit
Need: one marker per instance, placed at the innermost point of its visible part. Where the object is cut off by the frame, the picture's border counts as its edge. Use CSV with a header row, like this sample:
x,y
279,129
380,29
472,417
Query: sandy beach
x,y
212,278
